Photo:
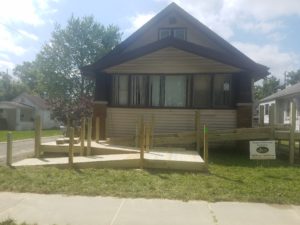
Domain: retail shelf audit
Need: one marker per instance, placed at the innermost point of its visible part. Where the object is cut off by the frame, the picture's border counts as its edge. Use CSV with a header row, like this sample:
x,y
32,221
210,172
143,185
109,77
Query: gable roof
x,y
13,105
231,52
34,99
289,91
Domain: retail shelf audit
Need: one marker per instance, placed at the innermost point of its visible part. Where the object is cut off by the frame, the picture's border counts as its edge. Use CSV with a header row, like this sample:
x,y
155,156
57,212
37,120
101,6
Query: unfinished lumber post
x,y
292,131
97,133
142,146
37,139
205,145
152,132
71,146
68,126
272,120
261,116
198,131
147,138
138,131
82,136
9,149
89,136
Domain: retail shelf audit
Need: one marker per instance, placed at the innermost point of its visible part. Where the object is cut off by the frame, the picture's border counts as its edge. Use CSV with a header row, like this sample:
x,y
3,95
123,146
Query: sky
x,y
268,31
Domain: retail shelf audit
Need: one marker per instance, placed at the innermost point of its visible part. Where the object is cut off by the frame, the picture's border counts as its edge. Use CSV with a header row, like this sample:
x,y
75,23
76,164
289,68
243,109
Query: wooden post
x,y
152,132
97,129
205,145
142,138
68,127
272,120
147,137
89,136
71,145
82,136
9,149
138,131
292,131
38,131
261,116
198,131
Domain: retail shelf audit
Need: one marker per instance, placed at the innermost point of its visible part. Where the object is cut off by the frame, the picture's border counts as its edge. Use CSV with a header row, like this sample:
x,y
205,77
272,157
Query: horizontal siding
x,y
122,121
172,60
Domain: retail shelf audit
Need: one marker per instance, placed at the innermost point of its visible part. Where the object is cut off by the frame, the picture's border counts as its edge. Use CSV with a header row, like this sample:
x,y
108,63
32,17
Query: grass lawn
x,y
231,177
19,135
11,222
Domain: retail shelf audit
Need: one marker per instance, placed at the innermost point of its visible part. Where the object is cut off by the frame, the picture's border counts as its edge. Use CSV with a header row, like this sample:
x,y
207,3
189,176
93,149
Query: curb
x,y
27,139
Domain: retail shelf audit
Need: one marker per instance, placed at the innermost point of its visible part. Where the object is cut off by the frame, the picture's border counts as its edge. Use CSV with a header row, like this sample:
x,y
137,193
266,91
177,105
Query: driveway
x,y
21,148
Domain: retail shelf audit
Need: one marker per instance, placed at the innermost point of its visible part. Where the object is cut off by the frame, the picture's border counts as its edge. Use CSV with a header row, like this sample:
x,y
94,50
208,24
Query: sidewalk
x,y
81,210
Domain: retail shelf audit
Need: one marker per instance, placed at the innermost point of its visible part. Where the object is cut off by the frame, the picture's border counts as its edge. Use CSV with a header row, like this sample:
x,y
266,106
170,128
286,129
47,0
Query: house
x,y
168,69
19,113
282,100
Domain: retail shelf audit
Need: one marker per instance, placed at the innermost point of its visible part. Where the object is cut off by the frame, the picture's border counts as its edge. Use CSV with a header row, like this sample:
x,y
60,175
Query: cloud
x,y
137,21
28,35
270,55
15,16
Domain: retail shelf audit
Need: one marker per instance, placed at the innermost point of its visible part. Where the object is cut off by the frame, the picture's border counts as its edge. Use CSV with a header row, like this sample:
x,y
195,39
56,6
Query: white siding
x,y
122,121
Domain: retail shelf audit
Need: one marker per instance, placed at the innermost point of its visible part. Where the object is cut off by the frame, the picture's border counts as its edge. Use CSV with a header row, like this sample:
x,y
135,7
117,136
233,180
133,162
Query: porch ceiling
x,y
172,60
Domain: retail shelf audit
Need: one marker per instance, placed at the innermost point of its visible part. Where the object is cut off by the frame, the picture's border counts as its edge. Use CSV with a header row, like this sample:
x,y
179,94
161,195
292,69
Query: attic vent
x,y
172,20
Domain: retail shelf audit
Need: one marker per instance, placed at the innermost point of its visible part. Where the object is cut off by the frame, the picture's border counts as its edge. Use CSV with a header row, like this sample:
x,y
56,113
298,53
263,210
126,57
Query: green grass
x,y
231,177
19,135
11,222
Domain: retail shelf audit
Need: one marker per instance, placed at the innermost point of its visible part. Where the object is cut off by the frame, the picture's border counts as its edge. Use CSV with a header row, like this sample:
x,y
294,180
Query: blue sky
x,y
268,31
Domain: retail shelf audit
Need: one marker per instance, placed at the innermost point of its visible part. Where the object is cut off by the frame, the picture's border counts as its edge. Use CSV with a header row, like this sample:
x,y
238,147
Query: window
x,y
222,90
201,91
138,90
120,90
164,33
179,33
175,91
266,109
154,90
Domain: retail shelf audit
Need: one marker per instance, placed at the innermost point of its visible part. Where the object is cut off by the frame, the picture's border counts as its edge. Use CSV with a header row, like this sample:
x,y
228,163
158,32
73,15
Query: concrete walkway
x,y
81,210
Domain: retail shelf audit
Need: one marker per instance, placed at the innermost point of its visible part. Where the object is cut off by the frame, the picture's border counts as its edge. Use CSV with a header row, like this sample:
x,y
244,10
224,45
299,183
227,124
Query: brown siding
x,y
122,121
172,60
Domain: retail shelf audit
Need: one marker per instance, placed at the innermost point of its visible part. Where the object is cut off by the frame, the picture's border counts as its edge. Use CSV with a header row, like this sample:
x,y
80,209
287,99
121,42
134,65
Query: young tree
x,y
10,88
269,86
55,74
293,77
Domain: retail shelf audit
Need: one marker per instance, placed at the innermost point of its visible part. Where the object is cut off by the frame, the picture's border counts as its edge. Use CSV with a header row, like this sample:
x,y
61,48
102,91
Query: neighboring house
x,y
282,100
170,67
19,113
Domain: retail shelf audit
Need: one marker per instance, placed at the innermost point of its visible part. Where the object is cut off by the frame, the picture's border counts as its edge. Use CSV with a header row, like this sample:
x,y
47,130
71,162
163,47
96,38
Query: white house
x,y
19,113
282,100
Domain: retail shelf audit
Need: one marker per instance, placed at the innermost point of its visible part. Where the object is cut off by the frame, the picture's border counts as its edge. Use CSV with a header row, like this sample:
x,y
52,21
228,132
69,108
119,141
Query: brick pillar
x,y
244,115
99,110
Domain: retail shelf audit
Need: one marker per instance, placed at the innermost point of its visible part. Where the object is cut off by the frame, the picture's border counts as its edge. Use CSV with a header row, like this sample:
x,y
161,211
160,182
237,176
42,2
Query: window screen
x,y
138,90
120,90
222,90
164,33
175,91
154,90
179,33
202,91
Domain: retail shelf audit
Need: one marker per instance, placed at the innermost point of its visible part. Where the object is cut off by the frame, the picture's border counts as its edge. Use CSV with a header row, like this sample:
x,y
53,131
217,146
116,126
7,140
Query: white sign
x,y
262,150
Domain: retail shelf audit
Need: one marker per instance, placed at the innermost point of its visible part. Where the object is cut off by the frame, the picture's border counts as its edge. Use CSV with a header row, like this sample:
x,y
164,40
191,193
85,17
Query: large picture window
x,y
173,91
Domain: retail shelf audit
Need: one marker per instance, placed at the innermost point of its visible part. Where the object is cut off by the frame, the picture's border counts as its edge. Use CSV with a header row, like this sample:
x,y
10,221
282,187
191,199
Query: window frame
x,y
172,32
189,92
